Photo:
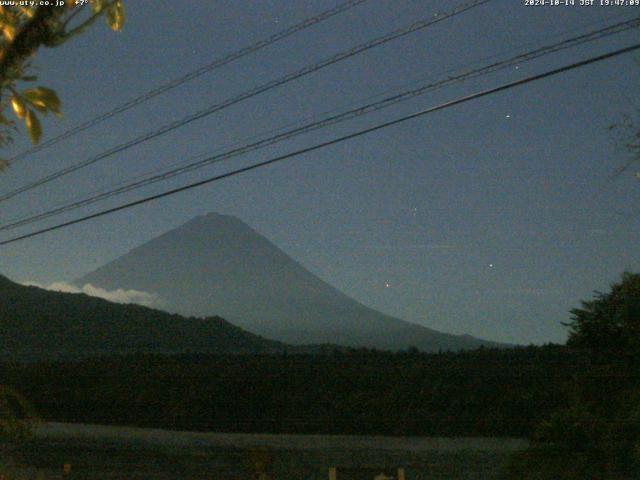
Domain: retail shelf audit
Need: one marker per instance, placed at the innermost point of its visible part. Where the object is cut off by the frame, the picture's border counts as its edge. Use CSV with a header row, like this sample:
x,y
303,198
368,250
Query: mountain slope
x,y
216,264
37,324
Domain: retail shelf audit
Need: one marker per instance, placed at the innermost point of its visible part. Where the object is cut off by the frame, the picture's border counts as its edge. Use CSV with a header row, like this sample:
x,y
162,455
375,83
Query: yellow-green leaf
x,y
33,126
9,32
27,11
97,5
115,15
18,106
43,99
40,106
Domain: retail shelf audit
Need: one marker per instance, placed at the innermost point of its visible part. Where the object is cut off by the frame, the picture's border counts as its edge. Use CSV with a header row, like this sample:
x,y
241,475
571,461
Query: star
x,y
507,116
491,265
387,285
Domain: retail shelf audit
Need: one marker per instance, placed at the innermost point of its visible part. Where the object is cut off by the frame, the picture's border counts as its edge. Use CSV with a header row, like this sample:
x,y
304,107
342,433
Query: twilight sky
x,y
492,218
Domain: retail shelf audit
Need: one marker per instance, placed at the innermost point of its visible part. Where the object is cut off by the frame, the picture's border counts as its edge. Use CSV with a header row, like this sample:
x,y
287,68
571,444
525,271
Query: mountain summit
x,y
218,265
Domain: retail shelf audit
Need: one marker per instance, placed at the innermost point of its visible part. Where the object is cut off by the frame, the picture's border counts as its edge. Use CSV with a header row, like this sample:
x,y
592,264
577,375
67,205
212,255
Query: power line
x,y
343,138
219,62
331,120
115,189
420,25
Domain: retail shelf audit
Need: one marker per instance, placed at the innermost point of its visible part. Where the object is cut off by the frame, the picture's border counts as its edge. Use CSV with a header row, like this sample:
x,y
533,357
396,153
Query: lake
x,y
106,452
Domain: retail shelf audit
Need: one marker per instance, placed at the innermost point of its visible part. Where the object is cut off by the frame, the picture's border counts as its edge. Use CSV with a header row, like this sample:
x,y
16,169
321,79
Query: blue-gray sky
x,y
492,218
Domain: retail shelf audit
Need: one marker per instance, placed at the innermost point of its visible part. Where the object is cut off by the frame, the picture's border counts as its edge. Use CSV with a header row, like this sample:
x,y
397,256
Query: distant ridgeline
x,y
487,392
212,268
150,368
40,325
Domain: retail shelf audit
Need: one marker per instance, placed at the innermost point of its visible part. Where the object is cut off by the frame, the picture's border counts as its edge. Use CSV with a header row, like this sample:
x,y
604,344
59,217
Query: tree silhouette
x,y
611,321
597,434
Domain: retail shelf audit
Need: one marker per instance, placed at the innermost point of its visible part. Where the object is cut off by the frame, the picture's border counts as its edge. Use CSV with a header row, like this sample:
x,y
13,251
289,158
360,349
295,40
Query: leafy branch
x,y
23,30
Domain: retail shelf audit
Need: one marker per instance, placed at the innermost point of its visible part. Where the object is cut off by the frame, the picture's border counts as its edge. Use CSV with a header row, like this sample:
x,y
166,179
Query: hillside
x,y
37,324
216,264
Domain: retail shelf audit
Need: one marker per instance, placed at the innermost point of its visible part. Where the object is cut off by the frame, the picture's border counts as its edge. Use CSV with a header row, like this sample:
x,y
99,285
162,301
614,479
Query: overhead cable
x,y
331,120
422,24
334,141
217,63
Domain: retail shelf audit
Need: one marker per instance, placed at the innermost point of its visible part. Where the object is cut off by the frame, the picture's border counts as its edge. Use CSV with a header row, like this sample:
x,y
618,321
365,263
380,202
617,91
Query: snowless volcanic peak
x,y
218,265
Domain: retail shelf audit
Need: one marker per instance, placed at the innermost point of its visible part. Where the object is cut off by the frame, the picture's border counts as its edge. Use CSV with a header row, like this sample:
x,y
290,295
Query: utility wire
x,y
332,120
334,141
217,63
420,25
125,182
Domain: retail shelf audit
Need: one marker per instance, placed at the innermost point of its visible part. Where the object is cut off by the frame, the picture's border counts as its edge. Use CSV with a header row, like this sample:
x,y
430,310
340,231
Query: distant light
x,y
507,116
491,265
387,285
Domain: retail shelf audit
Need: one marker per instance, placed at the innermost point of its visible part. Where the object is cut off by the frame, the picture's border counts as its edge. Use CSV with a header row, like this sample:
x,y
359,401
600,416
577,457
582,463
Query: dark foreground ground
x,y
482,393
98,452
